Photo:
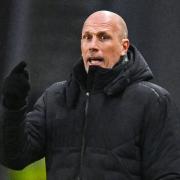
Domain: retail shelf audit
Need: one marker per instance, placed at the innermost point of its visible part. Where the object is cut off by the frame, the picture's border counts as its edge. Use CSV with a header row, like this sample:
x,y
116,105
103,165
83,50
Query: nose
x,y
93,45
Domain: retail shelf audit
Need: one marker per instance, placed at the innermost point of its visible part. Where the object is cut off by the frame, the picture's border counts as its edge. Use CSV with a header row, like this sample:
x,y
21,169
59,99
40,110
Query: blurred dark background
x,y
46,34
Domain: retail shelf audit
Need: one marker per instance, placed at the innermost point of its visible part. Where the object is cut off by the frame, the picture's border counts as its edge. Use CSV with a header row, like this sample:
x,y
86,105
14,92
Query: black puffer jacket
x,y
107,125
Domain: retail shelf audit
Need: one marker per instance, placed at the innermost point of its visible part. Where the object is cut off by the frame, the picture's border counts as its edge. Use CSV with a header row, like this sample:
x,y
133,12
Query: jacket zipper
x,y
83,135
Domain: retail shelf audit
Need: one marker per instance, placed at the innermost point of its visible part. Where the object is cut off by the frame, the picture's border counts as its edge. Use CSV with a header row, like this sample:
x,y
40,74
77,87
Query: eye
x,y
86,37
104,37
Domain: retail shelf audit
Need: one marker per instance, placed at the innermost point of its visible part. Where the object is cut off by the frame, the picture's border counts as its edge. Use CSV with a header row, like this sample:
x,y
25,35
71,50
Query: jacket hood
x,y
130,69
135,70
138,68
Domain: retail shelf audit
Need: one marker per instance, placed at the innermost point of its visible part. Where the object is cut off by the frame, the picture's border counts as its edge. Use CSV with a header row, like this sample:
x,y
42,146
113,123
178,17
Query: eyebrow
x,y
100,32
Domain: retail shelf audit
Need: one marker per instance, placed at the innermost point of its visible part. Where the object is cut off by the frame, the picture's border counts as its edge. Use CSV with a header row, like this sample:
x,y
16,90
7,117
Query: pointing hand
x,y
16,87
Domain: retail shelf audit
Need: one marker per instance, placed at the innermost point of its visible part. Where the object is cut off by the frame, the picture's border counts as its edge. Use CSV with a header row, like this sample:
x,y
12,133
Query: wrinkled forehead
x,y
101,23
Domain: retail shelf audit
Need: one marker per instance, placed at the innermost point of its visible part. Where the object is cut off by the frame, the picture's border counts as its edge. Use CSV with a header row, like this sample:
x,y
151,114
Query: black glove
x,y
16,87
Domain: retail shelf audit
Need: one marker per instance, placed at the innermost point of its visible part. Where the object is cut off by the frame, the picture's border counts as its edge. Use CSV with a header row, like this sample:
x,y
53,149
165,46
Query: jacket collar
x,y
131,68
97,79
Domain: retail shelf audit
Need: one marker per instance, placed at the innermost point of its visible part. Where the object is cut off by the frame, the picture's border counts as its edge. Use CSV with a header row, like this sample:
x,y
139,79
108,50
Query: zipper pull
x,y
87,93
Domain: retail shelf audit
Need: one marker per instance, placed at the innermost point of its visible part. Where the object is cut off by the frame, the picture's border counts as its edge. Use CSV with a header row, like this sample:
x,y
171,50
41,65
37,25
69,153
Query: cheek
x,y
117,50
84,50
82,47
112,52
112,55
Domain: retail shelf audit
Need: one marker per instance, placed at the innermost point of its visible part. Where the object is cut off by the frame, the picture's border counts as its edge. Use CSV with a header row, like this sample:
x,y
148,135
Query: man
x,y
107,122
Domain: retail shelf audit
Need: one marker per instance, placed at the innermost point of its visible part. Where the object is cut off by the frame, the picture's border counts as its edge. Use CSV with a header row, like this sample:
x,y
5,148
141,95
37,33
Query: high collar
x,y
97,77
131,68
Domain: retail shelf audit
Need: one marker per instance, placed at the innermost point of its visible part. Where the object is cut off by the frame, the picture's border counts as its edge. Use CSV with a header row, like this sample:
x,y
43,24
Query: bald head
x,y
108,17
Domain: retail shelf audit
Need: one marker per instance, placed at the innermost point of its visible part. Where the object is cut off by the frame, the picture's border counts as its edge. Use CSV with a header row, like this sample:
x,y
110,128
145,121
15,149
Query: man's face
x,y
101,43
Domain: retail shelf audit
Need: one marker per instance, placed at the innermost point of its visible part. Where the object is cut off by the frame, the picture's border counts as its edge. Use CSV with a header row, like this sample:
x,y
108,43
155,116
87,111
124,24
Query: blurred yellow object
x,y
36,171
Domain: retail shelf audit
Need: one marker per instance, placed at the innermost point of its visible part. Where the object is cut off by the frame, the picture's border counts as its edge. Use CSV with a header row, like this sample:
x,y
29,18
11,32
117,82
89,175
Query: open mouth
x,y
96,61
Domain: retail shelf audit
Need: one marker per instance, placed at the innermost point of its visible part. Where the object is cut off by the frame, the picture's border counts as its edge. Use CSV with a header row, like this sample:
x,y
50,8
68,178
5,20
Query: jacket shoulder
x,y
57,87
145,90
154,88
149,87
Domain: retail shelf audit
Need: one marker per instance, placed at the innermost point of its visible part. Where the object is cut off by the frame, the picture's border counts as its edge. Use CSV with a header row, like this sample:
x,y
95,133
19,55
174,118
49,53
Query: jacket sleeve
x,y
22,135
161,139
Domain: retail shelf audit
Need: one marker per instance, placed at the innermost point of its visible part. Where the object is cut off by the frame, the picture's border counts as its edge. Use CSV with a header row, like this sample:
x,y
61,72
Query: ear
x,y
125,46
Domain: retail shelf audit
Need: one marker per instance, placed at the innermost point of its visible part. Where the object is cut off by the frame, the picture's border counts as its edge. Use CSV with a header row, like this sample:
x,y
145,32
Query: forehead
x,y
95,24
